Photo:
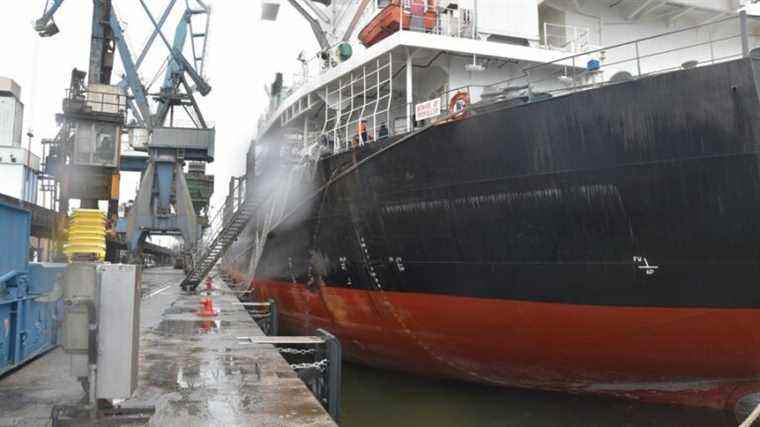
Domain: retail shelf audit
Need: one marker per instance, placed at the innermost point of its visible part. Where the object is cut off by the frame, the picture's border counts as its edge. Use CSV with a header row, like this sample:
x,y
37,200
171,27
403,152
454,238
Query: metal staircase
x,y
208,255
237,212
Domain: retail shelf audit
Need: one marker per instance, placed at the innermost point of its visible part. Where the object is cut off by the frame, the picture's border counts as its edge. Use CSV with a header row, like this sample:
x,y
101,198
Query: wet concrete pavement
x,y
192,369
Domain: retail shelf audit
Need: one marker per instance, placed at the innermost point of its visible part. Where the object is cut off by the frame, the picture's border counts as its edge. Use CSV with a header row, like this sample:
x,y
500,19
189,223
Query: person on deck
x,y
382,133
361,130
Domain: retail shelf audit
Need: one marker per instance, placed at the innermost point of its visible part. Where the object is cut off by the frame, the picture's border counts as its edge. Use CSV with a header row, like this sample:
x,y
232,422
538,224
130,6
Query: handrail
x,y
622,44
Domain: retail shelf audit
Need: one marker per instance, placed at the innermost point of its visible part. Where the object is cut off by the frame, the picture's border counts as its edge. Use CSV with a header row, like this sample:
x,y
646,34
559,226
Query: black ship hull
x,y
604,241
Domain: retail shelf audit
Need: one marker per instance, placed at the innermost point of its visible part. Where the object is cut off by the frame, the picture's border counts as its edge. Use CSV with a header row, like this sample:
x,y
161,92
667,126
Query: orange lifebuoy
x,y
458,103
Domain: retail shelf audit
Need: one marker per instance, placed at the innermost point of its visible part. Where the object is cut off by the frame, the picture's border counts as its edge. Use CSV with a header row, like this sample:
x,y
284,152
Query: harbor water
x,y
374,398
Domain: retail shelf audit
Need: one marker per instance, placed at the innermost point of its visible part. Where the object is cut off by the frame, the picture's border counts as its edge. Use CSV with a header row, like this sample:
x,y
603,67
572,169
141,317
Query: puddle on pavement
x,y
226,373
180,310
169,327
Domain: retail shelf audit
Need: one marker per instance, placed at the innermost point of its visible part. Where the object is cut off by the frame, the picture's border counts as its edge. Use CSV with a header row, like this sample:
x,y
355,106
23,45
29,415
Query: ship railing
x,y
717,41
458,23
397,120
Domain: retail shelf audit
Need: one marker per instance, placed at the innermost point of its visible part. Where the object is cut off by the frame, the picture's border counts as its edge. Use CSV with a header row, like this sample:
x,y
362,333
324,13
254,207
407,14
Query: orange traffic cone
x,y
207,309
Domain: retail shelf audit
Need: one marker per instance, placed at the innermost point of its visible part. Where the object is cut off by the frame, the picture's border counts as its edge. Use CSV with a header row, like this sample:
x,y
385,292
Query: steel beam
x,y
138,91
636,12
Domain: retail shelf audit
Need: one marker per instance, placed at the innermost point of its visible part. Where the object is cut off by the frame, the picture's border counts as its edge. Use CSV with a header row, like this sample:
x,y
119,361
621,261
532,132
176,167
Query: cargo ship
x,y
479,191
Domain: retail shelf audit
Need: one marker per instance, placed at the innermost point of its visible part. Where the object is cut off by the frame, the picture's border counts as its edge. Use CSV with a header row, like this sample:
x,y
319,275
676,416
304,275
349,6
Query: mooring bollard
x,y
274,326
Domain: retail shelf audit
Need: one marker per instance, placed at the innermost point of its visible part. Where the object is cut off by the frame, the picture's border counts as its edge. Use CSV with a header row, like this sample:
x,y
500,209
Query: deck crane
x,y
163,204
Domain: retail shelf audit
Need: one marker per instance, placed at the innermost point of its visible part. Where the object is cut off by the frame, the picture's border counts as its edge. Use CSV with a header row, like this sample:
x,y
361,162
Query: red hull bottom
x,y
685,356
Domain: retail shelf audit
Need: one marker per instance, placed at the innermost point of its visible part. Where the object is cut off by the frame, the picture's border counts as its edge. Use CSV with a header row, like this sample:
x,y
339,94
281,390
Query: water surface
x,y
373,397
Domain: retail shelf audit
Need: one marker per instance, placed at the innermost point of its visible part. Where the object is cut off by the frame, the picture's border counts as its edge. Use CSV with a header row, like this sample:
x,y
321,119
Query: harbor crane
x,y
96,115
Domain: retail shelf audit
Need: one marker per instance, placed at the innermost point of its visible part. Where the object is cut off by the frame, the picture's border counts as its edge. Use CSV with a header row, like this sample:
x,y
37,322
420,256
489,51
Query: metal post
x,y
574,83
364,105
638,60
339,110
402,4
377,98
274,326
92,354
335,359
306,132
390,92
409,90
475,19
530,86
744,34
546,38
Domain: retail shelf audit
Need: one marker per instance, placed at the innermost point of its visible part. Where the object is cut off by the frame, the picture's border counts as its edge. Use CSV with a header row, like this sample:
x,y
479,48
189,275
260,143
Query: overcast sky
x,y
244,53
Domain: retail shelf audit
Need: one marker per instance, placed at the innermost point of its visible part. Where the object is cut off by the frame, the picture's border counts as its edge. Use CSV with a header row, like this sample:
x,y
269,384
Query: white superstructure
x,y
488,50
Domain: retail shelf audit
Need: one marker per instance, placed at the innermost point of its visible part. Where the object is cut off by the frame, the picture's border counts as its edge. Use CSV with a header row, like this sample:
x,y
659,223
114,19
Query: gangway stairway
x,y
238,211
208,257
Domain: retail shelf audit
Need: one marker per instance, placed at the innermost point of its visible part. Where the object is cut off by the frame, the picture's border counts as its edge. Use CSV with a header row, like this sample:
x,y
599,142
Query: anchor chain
x,y
321,366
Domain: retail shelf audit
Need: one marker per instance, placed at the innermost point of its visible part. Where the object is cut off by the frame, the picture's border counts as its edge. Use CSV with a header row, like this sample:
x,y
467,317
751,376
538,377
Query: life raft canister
x,y
459,102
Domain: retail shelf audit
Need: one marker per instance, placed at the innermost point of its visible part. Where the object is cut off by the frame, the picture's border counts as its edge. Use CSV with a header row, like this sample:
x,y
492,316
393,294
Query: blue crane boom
x,y
178,64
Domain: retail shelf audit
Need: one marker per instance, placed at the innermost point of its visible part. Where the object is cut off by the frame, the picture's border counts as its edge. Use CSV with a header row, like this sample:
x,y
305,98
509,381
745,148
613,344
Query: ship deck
x,y
191,369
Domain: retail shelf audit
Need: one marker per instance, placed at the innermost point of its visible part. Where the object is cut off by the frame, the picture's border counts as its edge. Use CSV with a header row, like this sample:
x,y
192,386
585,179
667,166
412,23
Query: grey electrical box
x,y
113,288
79,285
118,331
